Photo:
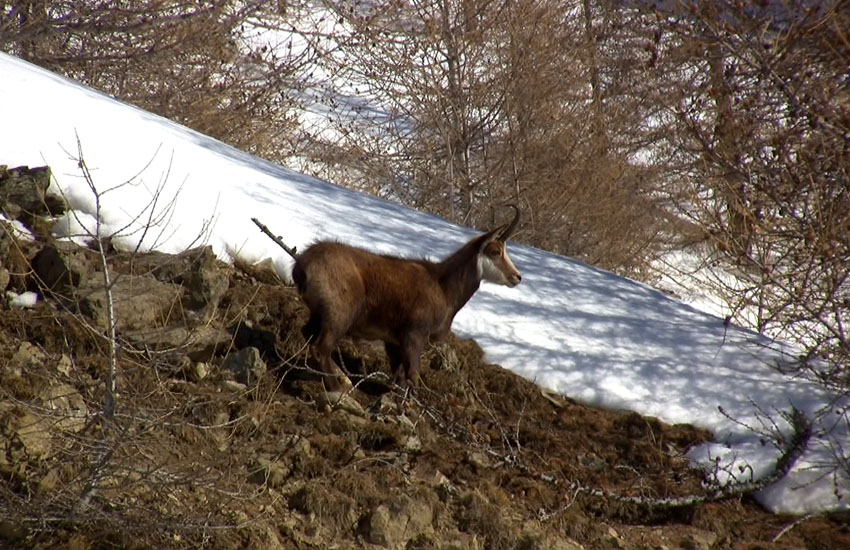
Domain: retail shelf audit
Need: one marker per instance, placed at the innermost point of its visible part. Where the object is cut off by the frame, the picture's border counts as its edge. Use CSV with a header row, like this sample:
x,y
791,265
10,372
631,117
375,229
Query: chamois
x,y
405,303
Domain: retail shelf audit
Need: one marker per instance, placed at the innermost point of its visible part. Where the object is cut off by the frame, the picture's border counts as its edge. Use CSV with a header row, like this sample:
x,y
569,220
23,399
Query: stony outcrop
x,y
224,436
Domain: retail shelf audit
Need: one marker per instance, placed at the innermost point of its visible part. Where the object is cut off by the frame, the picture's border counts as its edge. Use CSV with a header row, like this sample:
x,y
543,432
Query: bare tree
x,y
192,62
758,134
451,106
477,103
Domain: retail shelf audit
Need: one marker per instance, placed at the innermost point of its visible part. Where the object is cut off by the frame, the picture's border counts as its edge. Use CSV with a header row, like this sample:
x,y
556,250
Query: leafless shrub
x,y
755,104
99,449
758,135
191,62
472,105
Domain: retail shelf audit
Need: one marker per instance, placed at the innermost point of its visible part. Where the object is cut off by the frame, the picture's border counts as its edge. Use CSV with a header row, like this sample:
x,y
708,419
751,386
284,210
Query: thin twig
x,y
275,238
789,527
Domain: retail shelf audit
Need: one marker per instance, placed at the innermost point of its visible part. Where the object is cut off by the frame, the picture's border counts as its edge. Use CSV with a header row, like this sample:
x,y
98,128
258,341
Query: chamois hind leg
x,y
411,352
311,330
323,345
395,358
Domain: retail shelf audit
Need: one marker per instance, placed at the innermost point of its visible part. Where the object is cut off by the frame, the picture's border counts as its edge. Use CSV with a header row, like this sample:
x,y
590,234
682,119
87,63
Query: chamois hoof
x,y
338,383
406,380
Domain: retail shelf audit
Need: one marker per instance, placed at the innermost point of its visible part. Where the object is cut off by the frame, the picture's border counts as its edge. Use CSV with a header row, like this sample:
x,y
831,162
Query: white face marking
x,y
497,268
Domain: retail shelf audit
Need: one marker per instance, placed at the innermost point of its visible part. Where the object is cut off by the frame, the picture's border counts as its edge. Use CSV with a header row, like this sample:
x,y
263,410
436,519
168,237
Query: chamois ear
x,y
491,236
507,230
503,232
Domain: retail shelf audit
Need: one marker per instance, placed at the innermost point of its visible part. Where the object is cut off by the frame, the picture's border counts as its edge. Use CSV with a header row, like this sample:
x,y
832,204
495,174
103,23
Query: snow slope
x,y
575,329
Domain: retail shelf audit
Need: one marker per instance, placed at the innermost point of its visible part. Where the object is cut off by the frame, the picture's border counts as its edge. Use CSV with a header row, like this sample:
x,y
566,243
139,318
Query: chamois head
x,y
494,264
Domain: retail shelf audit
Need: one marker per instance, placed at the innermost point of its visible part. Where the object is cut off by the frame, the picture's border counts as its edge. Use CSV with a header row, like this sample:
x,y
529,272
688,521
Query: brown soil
x,y
477,458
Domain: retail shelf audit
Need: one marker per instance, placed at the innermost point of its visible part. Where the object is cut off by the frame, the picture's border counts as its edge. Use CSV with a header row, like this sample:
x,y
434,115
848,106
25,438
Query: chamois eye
x,y
493,252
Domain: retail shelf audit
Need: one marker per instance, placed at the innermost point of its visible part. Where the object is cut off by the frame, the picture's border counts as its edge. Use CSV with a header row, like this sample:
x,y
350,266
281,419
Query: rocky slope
x,y
223,436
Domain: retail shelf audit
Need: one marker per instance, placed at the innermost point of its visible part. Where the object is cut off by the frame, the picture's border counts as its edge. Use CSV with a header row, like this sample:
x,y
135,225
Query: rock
x,y
613,538
244,335
698,539
240,517
479,460
333,400
385,404
67,405
265,271
199,343
411,444
49,481
203,277
138,302
197,371
260,535
64,365
346,421
300,453
50,410
61,267
394,523
14,262
233,386
24,435
328,509
272,473
435,479
592,462
404,422
299,447
194,279
246,365
206,282
457,540
25,189
535,538
28,357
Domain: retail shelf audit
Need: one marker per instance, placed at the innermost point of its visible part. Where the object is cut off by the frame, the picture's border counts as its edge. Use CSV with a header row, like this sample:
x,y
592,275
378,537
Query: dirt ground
x,y
202,453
